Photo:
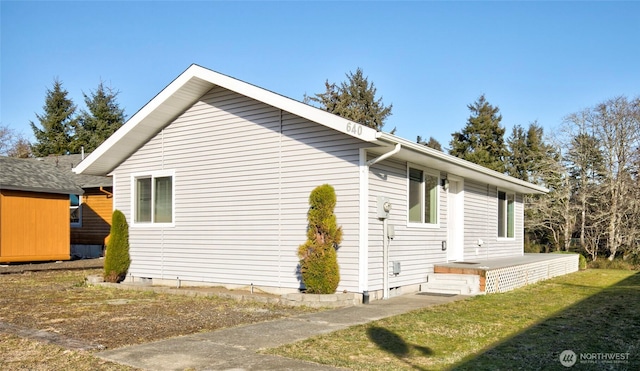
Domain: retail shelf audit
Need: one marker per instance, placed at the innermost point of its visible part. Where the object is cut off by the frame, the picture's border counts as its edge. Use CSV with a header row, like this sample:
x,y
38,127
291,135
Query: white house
x,y
214,175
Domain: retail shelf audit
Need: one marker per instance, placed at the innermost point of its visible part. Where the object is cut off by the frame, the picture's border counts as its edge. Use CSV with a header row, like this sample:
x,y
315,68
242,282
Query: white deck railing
x,y
509,278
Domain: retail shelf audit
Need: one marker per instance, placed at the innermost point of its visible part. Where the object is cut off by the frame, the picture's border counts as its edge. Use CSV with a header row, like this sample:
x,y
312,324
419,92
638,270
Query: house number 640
x,y
354,128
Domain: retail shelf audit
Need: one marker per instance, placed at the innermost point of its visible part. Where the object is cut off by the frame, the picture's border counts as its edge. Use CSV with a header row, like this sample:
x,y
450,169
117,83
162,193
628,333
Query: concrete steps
x,y
451,283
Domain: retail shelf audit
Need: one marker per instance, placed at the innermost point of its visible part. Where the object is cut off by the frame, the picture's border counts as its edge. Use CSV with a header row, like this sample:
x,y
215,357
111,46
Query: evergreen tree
x,y
517,164
57,123
548,218
525,152
431,143
103,118
354,100
552,213
482,139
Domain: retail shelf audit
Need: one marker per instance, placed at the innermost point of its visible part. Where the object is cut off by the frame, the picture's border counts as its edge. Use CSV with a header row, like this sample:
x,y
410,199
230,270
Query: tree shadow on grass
x,y
392,343
606,324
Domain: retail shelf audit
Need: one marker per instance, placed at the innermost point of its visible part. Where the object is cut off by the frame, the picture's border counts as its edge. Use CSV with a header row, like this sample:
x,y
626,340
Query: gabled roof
x,y
32,176
66,163
179,95
195,81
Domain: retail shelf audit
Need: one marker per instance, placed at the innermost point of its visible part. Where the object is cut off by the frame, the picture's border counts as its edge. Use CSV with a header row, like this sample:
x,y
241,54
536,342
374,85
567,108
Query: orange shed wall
x,y
97,208
33,226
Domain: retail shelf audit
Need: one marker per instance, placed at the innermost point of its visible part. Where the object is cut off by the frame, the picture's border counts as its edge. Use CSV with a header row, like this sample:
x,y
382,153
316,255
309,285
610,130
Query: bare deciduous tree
x,y
13,144
603,150
551,215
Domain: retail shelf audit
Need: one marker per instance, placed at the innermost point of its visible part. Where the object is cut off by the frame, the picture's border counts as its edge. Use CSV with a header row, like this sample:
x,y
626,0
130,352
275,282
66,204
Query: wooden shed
x,y
34,211
91,218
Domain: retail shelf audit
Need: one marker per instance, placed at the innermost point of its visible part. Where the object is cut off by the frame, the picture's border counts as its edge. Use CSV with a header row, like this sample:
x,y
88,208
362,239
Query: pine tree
x,y
431,143
548,218
517,164
482,139
354,100
318,256
103,118
526,149
57,123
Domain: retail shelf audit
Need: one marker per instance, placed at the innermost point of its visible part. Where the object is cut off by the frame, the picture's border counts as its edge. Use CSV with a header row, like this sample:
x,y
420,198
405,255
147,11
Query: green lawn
x,y
592,311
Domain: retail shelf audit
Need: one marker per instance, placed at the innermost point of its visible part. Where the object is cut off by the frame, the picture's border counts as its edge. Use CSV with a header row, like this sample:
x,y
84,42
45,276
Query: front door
x,y
455,219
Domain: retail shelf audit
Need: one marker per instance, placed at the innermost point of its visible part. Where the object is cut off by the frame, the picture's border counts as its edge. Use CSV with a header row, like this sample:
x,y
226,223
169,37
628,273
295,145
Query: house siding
x,y
419,248
416,248
243,174
97,208
481,222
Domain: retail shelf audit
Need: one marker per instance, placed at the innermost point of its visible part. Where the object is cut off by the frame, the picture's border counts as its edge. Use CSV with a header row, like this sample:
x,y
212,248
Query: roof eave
x,y
75,191
183,92
458,166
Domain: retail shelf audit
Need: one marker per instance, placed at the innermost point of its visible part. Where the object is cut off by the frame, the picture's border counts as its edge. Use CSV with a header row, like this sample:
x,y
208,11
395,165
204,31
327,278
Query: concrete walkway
x,y
236,348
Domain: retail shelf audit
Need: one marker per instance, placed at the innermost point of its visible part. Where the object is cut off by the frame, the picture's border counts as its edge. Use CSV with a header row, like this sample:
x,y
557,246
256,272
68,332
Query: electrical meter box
x,y
384,207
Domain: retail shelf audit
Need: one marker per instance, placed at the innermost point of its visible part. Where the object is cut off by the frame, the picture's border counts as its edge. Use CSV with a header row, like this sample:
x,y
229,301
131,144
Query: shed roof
x,y
27,175
66,163
195,81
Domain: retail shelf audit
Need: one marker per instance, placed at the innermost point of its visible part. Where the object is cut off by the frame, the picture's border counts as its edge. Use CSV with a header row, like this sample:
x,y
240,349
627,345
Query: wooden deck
x,y
500,275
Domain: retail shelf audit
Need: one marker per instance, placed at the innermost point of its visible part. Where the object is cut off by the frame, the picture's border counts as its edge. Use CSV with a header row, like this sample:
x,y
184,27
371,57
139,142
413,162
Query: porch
x,y
497,275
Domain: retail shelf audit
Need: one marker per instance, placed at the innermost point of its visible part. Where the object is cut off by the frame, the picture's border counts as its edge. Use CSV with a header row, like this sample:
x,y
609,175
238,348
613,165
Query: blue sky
x,y
534,60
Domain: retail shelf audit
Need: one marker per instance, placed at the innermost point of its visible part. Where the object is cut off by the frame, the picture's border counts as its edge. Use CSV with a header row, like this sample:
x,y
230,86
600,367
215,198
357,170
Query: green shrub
x,y
321,273
582,261
117,260
604,263
532,248
318,257
633,257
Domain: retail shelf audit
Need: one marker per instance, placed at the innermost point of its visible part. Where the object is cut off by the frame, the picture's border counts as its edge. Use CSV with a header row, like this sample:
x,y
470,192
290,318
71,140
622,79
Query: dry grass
x,y
588,311
59,302
25,354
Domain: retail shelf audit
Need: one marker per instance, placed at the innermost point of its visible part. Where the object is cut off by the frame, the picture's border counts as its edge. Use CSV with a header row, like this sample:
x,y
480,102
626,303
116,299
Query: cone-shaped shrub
x,y
318,256
116,261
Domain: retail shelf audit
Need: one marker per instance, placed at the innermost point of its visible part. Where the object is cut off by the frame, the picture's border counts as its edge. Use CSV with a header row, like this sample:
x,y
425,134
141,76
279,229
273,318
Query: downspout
x,y
385,155
364,226
109,194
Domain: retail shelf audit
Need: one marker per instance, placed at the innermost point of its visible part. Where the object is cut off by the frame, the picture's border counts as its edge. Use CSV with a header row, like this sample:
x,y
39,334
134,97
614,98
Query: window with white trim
x,y
506,214
75,210
153,198
423,196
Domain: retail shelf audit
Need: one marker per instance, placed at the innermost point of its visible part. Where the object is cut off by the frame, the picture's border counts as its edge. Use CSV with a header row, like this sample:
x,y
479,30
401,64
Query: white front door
x,y
455,219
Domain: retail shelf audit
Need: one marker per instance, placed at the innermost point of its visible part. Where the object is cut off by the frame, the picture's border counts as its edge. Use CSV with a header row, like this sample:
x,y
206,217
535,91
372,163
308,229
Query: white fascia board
x,y
179,95
290,105
466,169
144,124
